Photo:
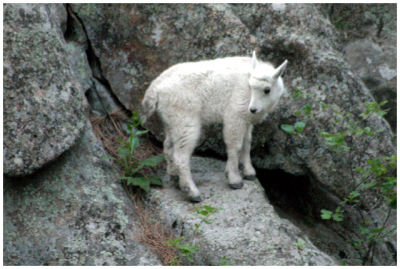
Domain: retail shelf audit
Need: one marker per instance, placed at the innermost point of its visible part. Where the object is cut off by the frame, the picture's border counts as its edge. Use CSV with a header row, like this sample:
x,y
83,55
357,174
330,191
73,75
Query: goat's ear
x,y
279,71
254,61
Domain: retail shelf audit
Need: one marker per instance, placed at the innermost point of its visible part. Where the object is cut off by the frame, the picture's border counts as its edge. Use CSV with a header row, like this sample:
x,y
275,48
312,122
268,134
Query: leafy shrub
x,y
376,175
184,249
131,168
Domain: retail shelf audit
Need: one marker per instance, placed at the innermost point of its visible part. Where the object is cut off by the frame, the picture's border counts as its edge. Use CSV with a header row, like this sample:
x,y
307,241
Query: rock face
x,y
74,212
373,55
318,69
154,39
245,230
43,103
141,41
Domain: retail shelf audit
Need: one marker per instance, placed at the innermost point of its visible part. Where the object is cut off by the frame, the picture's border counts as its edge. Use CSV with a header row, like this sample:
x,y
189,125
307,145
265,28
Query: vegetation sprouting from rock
x,y
372,180
131,169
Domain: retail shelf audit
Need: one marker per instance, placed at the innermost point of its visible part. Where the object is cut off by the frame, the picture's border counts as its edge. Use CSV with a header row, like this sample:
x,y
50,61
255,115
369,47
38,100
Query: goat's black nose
x,y
253,110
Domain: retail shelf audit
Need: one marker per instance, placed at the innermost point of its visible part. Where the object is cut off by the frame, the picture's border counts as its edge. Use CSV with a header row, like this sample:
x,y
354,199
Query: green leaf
x,y
393,202
392,160
299,126
381,113
139,132
123,152
378,230
326,214
210,209
108,158
135,119
364,230
206,221
152,161
384,102
224,262
140,182
297,93
300,244
121,141
367,131
307,109
354,194
288,128
377,167
370,185
155,181
337,217
203,212
324,105
196,208
133,143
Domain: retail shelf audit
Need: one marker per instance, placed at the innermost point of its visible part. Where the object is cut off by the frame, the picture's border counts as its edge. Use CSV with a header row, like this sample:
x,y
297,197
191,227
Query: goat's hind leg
x,y
172,170
185,140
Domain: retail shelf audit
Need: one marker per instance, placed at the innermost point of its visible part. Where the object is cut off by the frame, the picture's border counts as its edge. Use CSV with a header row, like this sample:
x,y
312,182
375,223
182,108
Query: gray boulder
x,y
86,67
246,229
43,103
82,217
373,56
73,212
135,43
317,68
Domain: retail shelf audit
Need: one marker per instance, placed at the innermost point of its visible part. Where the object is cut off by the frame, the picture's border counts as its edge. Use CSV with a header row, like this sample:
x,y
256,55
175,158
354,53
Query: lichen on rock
x,y
43,104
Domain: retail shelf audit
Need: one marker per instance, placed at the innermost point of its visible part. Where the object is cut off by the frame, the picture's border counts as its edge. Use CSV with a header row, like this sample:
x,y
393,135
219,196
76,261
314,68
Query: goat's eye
x,y
267,90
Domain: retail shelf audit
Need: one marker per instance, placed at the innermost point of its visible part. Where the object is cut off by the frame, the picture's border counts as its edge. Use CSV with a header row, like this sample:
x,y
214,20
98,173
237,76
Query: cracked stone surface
x,y
74,212
44,108
71,212
246,229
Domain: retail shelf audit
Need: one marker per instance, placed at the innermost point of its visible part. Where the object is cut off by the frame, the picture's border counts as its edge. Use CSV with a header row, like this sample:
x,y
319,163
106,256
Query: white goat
x,y
235,91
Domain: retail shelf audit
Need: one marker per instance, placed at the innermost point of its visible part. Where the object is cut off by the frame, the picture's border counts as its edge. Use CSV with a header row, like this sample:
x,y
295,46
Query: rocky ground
x,y
64,64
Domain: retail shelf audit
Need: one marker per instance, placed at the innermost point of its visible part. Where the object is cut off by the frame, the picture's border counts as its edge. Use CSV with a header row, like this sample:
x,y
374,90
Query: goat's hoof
x,y
196,199
236,185
250,177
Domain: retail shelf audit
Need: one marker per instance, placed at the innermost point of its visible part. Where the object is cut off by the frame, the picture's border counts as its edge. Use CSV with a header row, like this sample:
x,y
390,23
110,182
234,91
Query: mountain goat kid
x,y
236,91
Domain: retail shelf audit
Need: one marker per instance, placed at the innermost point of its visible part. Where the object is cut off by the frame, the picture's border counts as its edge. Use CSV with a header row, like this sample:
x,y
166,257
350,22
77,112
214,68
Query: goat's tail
x,y
149,105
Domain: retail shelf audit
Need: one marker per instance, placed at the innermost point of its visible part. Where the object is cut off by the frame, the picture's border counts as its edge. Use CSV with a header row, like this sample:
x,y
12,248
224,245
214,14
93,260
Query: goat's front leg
x,y
249,172
234,132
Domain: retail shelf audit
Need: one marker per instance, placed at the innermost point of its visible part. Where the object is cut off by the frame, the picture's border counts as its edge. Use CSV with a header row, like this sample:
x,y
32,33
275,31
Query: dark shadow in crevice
x,y
93,59
300,199
295,197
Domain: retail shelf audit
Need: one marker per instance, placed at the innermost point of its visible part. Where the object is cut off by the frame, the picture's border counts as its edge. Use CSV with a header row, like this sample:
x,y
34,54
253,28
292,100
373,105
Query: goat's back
x,y
205,88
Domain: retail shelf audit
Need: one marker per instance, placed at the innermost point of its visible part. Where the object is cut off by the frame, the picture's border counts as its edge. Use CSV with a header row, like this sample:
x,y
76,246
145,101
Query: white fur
x,y
188,95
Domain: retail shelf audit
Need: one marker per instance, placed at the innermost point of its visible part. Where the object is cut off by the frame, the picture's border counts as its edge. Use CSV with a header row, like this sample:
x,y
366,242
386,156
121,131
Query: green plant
x,y
297,128
184,249
224,262
374,175
300,244
131,168
205,212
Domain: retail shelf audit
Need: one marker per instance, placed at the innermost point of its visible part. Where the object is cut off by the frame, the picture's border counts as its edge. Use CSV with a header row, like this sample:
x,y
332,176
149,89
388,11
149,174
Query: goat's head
x,y
266,89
